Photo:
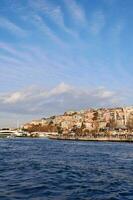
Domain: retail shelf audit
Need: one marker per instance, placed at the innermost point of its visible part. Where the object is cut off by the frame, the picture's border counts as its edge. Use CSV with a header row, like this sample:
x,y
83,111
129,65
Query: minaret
x,y
115,116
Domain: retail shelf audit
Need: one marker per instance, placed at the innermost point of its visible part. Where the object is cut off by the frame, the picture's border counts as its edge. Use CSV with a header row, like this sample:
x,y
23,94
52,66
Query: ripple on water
x,y
39,169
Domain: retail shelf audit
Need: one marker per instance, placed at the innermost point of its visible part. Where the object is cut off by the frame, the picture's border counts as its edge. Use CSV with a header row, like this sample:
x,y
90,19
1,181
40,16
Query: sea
x,y
43,169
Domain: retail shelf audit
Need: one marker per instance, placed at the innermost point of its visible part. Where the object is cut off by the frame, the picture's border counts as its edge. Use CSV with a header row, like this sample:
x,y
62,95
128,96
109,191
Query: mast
x,y
17,124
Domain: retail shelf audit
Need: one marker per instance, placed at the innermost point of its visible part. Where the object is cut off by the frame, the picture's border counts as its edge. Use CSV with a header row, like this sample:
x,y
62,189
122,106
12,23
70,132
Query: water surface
x,y
41,169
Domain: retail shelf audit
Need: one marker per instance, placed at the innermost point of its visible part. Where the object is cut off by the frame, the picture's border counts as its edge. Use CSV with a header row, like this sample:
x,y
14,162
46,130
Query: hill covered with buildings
x,y
89,122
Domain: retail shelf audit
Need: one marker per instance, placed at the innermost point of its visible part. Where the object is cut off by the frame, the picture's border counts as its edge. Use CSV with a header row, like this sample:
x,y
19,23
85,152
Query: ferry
x,y
7,133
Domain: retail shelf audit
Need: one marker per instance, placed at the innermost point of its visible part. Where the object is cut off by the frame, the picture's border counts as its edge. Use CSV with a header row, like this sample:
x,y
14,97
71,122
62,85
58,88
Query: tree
x,y
44,128
59,130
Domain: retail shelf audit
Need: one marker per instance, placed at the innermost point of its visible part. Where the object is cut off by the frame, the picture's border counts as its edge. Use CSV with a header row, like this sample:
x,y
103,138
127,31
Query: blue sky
x,y
62,55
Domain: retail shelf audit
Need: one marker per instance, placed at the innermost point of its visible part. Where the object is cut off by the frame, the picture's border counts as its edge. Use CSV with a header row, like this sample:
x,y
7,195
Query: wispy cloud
x,y
41,64
57,100
47,8
97,22
35,61
40,23
12,27
76,12
54,12
117,29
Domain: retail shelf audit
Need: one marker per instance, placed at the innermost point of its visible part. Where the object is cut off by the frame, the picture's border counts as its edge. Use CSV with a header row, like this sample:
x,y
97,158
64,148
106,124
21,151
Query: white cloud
x,y
97,22
11,50
54,12
13,98
76,11
49,9
6,59
40,23
62,88
56,100
103,93
37,62
12,27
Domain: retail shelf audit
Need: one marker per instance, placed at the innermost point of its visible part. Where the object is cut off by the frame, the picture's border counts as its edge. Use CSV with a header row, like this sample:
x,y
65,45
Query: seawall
x,y
100,139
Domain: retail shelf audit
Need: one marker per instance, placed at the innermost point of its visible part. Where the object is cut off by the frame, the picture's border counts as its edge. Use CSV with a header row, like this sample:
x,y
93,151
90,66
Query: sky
x,y
59,55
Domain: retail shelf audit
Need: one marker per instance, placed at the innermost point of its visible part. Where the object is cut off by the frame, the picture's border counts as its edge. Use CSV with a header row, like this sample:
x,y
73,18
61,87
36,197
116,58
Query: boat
x,y
7,133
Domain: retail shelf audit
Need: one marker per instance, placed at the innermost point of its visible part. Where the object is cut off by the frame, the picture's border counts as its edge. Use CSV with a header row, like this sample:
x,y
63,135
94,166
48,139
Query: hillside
x,y
86,121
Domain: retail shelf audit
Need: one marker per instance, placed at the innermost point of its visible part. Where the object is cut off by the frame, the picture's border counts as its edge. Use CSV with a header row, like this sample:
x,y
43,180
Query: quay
x,y
97,139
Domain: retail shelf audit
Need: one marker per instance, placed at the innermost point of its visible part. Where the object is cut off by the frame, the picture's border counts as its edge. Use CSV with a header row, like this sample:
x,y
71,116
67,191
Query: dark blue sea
x,y
42,169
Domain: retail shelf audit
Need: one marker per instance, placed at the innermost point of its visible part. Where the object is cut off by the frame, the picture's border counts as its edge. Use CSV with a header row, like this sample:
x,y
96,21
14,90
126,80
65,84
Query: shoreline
x,y
77,138
90,139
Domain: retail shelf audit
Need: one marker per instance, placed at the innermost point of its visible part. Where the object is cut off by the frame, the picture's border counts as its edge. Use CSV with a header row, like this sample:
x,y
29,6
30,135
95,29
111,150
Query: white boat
x,y
11,133
6,132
